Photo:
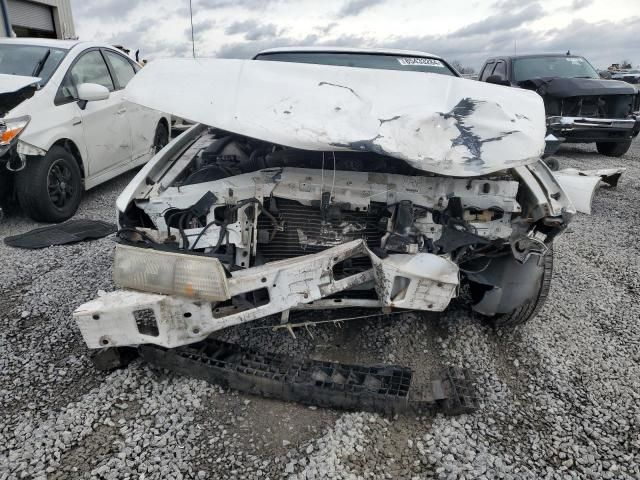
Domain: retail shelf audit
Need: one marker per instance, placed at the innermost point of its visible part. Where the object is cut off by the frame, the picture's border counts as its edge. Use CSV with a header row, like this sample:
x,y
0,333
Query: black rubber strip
x,y
72,231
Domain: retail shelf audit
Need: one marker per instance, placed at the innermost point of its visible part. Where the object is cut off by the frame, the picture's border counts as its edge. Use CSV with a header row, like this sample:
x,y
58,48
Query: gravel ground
x,y
561,395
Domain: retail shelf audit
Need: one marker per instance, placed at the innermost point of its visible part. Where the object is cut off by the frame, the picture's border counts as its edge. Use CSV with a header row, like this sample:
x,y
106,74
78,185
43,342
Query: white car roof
x,y
52,43
45,42
381,51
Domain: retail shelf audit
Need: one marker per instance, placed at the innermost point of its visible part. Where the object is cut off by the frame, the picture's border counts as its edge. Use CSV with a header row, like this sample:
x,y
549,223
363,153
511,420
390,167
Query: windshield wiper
x,y
40,64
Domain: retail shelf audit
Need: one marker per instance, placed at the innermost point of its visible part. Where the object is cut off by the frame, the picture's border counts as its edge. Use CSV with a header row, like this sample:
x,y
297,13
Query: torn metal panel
x,y
610,176
580,189
422,281
440,124
543,195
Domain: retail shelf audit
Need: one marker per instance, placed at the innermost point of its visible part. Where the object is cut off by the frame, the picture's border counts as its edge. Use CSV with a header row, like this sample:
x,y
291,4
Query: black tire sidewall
x,y
613,149
33,193
530,309
161,129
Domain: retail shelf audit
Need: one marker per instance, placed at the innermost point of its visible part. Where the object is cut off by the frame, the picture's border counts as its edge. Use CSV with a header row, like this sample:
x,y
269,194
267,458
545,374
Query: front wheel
x,y
613,149
530,309
49,188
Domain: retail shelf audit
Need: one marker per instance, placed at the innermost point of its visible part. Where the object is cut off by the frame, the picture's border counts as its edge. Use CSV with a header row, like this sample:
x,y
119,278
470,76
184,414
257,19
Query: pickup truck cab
x,y
580,106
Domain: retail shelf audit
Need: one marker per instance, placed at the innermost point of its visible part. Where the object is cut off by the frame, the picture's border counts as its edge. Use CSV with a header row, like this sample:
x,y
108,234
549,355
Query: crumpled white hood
x,y
440,124
13,83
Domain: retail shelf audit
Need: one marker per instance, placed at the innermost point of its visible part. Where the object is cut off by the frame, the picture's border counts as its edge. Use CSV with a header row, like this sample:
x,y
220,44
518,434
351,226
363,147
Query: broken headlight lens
x,y
170,273
11,128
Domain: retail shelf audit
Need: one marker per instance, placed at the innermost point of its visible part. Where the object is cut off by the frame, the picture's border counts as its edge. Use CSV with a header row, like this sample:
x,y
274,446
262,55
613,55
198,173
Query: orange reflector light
x,y
8,135
11,128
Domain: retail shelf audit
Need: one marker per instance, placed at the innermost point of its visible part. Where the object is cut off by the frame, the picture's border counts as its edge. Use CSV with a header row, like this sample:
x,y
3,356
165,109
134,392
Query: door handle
x,y
121,111
76,121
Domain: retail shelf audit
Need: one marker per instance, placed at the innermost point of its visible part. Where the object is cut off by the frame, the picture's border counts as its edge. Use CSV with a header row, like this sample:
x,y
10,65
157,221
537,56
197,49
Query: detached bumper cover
x,y
127,317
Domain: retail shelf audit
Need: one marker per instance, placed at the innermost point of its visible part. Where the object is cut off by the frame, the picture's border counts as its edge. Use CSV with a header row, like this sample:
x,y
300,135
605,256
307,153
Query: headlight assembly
x,y
170,273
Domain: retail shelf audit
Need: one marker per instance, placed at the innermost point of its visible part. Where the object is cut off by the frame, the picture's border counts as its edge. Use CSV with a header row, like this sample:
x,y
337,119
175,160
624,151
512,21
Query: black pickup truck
x,y
580,106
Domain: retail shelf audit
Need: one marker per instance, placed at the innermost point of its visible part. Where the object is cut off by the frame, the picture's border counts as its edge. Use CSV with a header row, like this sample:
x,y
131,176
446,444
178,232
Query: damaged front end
x,y
237,230
225,228
14,89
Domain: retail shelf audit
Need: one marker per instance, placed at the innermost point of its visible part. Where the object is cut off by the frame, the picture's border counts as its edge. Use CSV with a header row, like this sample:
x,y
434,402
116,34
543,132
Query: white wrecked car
x,y
309,186
64,125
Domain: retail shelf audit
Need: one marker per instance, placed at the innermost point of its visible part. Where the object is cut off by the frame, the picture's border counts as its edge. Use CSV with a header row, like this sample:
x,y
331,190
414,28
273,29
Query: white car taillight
x,y
170,273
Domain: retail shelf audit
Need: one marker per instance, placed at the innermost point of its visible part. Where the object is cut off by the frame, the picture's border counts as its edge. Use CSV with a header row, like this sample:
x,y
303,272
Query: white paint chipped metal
x,y
436,123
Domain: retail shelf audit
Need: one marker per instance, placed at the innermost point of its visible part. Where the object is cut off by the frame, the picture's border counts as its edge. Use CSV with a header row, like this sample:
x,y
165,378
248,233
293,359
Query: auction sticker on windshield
x,y
433,62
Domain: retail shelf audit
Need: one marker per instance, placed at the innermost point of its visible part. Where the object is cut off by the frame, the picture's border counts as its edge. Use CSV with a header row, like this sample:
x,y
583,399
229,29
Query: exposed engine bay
x,y
235,229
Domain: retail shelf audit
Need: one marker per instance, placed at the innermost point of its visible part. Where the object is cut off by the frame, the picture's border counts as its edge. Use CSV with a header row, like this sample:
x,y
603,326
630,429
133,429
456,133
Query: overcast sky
x,y
604,31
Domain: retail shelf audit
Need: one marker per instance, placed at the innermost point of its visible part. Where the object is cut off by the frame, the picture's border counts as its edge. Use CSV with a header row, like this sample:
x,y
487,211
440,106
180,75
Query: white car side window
x,y
90,68
121,67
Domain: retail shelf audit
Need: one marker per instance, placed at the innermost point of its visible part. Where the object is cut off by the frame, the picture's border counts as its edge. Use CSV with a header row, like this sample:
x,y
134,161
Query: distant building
x,y
37,18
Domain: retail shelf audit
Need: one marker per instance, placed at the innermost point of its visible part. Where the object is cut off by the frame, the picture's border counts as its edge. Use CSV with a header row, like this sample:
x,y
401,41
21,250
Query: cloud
x,y
503,21
249,49
502,5
200,29
243,4
254,30
356,7
580,36
580,4
106,9
241,28
325,29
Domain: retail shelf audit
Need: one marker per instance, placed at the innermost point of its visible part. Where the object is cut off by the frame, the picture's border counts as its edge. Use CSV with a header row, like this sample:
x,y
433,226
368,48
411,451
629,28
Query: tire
x,y
49,188
161,138
613,149
552,163
529,310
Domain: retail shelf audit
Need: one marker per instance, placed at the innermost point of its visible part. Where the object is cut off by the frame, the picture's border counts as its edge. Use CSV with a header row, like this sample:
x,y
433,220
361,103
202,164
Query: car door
x,y
105,126
487,70
500,70
143,120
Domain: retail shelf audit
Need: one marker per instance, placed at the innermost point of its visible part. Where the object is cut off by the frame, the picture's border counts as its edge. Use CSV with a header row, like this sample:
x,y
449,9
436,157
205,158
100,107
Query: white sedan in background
x,y
64,124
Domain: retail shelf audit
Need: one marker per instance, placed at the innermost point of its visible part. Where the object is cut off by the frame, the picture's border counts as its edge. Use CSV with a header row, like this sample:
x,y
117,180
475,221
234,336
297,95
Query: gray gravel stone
x,y
559,395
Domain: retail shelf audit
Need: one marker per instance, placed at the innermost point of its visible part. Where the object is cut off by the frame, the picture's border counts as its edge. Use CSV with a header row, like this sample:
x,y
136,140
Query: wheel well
x,y
72,148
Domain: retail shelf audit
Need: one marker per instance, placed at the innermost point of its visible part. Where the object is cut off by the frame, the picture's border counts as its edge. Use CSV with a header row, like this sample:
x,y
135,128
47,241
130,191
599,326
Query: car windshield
x,y
30,60
363,60
540,67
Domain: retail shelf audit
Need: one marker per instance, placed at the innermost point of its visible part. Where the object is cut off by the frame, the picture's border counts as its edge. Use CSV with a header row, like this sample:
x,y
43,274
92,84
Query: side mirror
x,y
498,80
91,92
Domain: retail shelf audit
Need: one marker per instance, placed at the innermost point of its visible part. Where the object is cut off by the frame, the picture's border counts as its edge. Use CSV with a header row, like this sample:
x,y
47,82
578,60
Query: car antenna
x,y
193,41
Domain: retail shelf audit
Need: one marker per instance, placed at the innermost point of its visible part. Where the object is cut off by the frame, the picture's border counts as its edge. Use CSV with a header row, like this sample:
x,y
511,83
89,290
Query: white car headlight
x,y
170,273
11,128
